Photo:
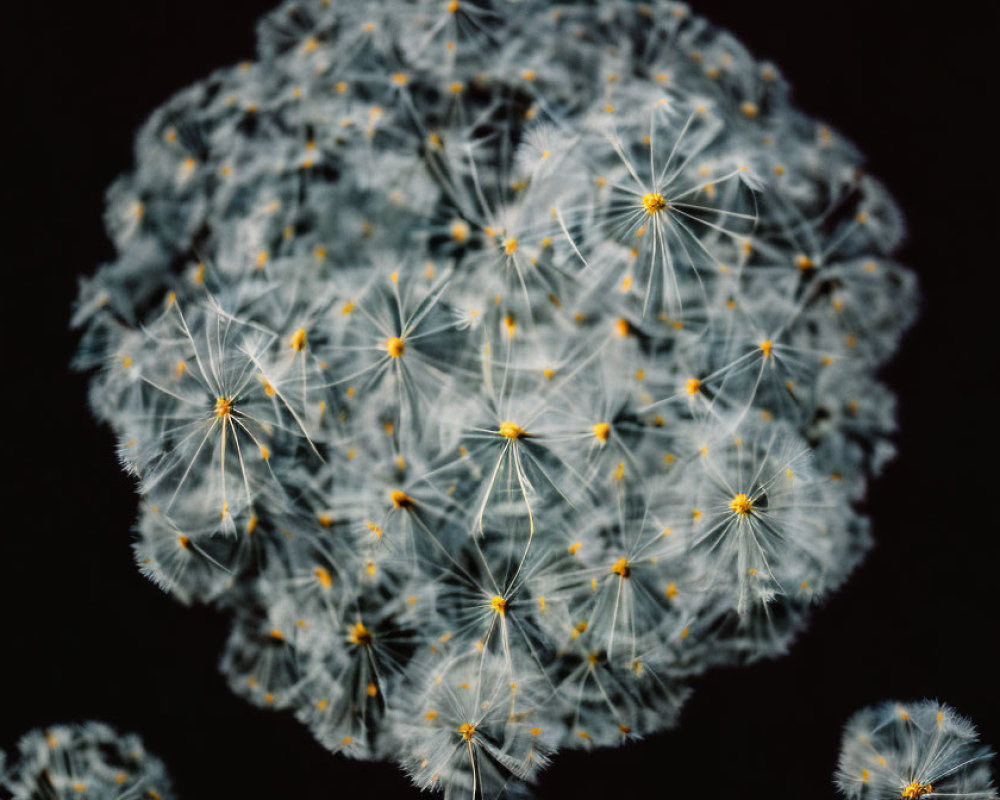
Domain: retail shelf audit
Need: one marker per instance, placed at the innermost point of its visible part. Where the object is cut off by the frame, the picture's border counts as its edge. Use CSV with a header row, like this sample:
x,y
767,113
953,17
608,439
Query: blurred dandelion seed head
x,y
88,760
909,751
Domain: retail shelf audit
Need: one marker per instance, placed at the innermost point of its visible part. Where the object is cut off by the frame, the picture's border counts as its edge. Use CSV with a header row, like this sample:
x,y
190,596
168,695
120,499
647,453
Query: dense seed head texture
x,y
89,761
500,365
911,751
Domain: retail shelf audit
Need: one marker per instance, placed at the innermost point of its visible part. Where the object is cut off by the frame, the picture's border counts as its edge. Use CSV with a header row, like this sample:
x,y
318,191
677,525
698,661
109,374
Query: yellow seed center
x,y
511,430
298,340
693,385
401,499
601,431
915,790
499,605
467,729
653,202
622,567
766,347
223,407
395,347
359,634
741,504
510,324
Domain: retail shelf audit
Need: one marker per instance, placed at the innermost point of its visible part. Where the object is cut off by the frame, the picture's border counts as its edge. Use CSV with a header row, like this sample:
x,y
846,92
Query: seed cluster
x,y
499,366
86,761
910,751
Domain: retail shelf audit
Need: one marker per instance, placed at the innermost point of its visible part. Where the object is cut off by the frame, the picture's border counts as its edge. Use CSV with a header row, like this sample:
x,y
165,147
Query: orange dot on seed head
x,y
622,567
223,407
511,430
601,431
401,499
395,346
741,504
359,634
653,202
323,576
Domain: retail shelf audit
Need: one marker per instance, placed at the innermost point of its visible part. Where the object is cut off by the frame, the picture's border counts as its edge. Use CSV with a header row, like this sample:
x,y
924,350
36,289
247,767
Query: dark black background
x,y
84,636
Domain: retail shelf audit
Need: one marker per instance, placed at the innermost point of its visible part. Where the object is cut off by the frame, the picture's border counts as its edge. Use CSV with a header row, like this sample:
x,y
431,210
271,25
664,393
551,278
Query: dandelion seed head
x,y
84,760
910,751
517,322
